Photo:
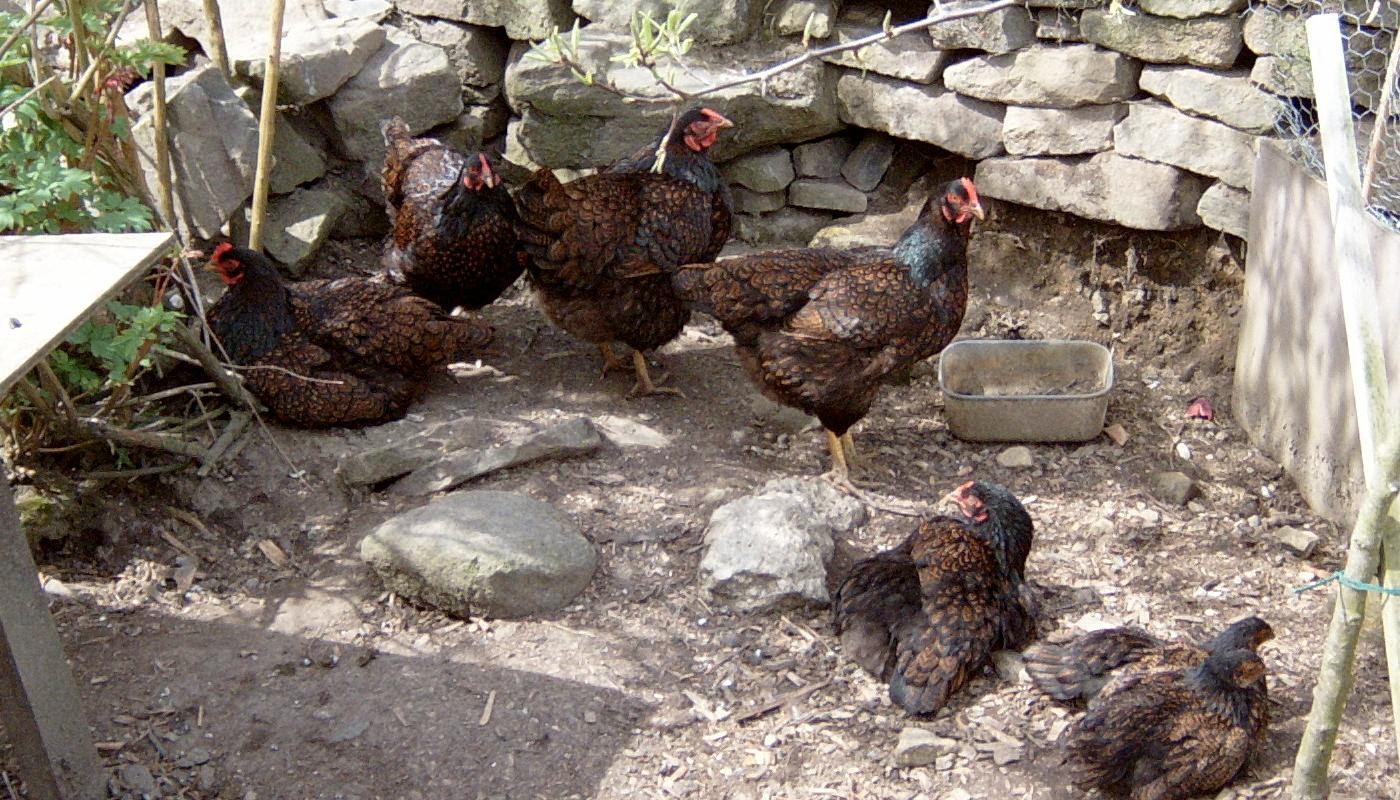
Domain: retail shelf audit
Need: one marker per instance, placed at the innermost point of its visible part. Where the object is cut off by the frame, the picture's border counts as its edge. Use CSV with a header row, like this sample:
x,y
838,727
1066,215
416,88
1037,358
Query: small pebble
x,y
1016,457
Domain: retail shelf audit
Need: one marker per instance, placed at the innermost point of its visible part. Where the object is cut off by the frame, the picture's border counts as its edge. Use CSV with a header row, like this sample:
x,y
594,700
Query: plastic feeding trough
x,y
1025,391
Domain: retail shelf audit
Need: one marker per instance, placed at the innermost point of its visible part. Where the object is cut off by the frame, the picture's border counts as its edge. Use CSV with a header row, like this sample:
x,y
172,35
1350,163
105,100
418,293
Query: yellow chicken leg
x,y
610,360
645,386
840,477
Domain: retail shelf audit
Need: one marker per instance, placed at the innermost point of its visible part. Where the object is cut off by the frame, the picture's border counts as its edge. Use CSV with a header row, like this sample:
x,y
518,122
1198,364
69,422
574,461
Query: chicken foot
x,y
611,361
840,477
645,386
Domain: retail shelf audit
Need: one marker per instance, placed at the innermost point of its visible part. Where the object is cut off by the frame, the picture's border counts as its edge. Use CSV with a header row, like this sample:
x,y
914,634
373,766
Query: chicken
x,y
927,615
601,247
454,224
1082,668
351,351
1171,734
820,329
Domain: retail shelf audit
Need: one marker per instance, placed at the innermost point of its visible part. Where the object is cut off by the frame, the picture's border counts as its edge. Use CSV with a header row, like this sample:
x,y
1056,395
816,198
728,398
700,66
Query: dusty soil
x,y
308,681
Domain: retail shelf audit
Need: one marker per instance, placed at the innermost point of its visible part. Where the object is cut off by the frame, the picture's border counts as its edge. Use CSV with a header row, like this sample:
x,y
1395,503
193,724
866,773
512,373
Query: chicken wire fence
x,y
1275,29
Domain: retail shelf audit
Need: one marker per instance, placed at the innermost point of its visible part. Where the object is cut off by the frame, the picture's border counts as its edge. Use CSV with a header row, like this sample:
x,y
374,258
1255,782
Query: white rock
x,y
1018,457
477,54
1271,31
919,747
1058,25
1226,96
771,548
626,432
1157,132
963,125
791,17
1060,131
416,80
299,223
1107,186
999,31
213,139
245,24
766,170
1062,77
1205,41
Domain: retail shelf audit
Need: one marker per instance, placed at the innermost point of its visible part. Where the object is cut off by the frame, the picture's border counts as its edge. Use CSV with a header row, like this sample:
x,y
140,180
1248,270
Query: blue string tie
x,y
1341,577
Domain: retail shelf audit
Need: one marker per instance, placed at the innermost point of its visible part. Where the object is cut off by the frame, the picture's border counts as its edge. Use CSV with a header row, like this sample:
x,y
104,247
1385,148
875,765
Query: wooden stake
x,y
167,201
267,126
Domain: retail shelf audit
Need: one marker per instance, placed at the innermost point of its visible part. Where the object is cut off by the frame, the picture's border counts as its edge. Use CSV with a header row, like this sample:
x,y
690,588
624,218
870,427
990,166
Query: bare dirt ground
x,y
308,681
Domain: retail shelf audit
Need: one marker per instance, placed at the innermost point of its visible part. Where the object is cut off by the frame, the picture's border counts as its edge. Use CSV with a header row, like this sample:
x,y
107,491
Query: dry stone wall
x,y
1146,115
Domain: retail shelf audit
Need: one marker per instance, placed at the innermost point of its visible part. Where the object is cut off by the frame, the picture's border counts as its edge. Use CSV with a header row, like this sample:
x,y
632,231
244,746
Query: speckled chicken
x,y
820,329
601,247
454,223
351,351
1078,669
1171,734
927,615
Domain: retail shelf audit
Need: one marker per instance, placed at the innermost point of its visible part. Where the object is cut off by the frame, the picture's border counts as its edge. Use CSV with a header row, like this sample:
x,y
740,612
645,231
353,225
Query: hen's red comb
x,y
221,249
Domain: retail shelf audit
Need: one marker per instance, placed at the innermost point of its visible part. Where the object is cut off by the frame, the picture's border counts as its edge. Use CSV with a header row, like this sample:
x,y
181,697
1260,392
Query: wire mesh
x,y
1274,29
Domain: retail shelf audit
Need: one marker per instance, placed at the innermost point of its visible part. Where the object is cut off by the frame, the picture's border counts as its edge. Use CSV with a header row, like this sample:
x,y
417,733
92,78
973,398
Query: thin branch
x,y
285,371
228,384
267,125
215,21
96,428
167,201
27,95
80,85
24,26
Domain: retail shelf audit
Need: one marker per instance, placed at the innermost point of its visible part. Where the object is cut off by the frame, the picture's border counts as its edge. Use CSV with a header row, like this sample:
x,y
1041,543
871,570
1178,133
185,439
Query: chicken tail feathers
x,y
1075,670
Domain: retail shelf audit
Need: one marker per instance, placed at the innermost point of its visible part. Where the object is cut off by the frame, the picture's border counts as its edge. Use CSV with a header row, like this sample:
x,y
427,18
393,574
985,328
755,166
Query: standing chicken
x,y
601,247
454,224
819,329
1171,734
351,351
1082,668
926,615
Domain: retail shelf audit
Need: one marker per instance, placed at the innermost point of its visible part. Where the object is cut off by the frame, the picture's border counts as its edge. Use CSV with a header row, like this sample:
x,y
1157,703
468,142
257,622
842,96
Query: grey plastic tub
x,y
1025,391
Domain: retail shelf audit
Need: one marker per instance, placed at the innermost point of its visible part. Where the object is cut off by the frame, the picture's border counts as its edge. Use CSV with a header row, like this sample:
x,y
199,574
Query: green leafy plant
x,y
111,353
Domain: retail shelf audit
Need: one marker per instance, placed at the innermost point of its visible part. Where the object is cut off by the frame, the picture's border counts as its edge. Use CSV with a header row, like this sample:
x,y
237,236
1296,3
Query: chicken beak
x,y
976,210
488,175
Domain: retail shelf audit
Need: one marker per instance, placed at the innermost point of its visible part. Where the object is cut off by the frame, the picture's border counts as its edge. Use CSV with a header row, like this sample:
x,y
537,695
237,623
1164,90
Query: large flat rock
x,y
1060,131
911,57
1059,77
719,21
213,140
522,19
963,125
501,554
1189,9
1229,97
405,77
1108,186
999,31
1204,41
1225,208
315,62
565,123
1157,132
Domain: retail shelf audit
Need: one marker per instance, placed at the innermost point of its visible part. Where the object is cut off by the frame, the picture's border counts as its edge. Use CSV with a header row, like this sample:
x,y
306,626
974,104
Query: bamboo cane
x,y
267,126
1356,280
215,21
167,200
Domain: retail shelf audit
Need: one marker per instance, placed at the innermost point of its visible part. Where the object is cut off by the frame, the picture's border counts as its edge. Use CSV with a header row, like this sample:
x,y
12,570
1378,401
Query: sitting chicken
x,y
351,351
1171,734
1081,668
454,224
927,615
602,246
820,329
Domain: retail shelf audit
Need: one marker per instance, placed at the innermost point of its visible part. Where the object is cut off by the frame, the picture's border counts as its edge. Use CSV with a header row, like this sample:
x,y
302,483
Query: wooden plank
x,y
43,718
50,284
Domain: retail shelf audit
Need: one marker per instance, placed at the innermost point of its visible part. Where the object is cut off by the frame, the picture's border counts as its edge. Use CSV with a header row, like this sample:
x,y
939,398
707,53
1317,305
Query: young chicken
x,y
1171,734
927,615
454,224
351,351
601,247
821,329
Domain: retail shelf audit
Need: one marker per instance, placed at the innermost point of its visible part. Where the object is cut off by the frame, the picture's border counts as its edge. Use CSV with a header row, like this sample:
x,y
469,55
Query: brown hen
x,y
601,246
820,329
454,223
351,351
1171,734
927,615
